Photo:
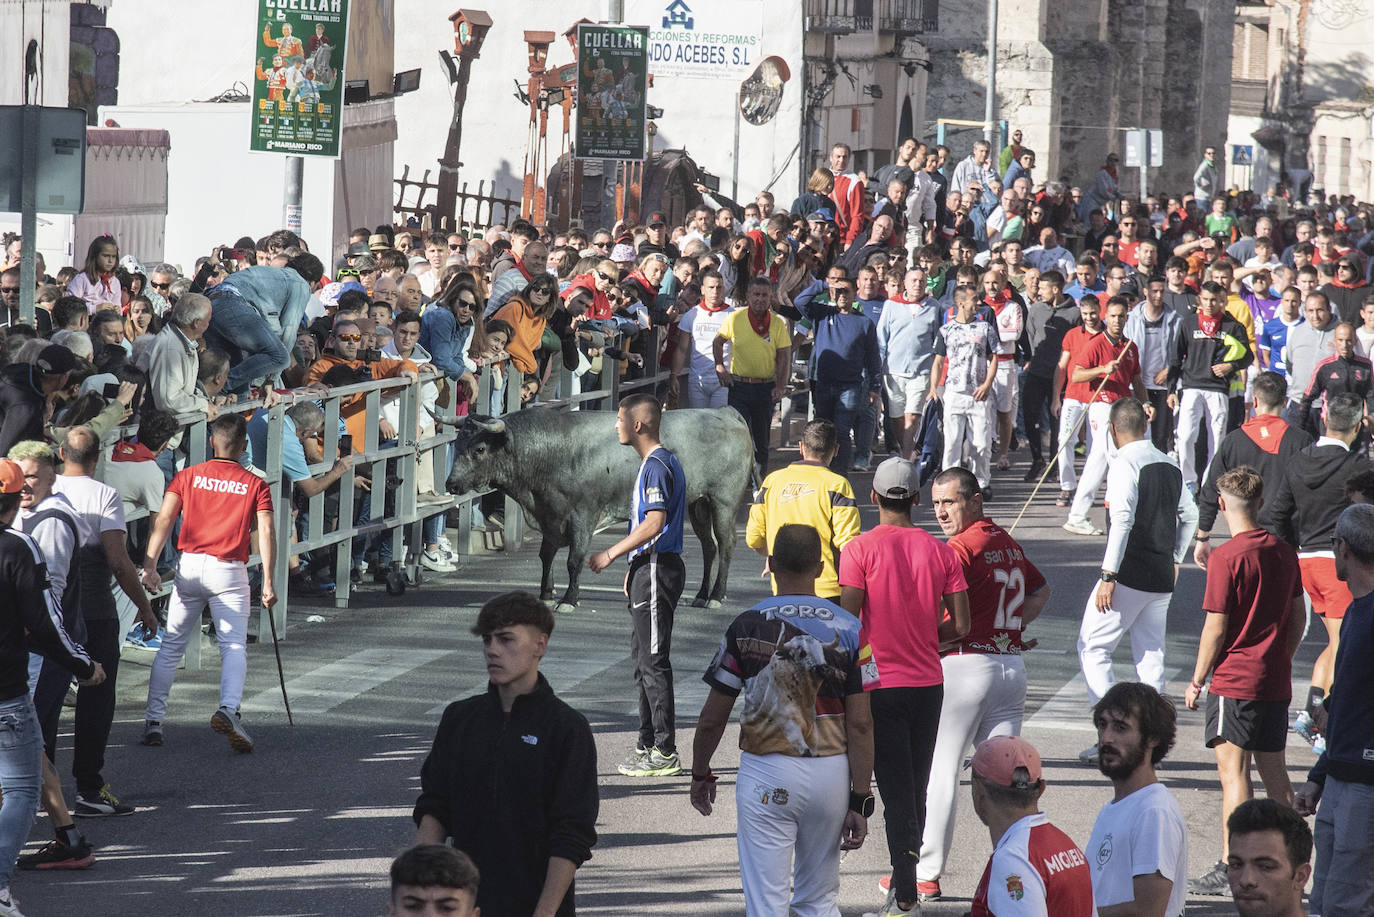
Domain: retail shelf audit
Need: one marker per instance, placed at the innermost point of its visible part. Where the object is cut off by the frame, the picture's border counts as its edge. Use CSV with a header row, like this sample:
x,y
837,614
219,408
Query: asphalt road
x,y
308,823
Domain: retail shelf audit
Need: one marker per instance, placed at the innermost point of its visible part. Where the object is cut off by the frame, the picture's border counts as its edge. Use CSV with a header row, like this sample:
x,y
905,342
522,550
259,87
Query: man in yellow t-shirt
x,y
808,493
760,358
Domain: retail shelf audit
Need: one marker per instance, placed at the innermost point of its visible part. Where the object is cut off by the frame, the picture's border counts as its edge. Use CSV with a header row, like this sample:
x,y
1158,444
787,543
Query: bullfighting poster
x,y
612,77
298,79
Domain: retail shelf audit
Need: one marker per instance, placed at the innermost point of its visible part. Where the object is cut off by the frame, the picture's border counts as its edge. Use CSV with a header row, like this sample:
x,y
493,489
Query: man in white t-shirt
x,y
694,355
1138,851
101,554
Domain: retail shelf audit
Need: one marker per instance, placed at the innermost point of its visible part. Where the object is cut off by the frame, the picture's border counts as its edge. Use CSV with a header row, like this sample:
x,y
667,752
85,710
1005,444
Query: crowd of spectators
x,y
1014,305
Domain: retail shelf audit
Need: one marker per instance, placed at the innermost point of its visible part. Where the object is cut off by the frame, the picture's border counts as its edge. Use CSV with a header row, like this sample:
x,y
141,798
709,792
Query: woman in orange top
x,y
528,314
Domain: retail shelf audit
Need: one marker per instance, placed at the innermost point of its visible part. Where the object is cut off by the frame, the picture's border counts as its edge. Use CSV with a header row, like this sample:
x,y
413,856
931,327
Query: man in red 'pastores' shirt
x,y
222,500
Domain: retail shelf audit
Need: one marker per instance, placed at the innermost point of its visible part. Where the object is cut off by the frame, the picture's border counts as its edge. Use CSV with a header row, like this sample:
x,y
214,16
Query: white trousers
x,y
223,585
705,392
1141,613
1069,412
1100,450
791,812
1195,406
985,696
971,420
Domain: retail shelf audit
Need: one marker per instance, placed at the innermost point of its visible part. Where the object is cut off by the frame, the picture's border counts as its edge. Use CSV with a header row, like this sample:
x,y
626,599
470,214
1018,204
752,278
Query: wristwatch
x,y
1107,577
861,803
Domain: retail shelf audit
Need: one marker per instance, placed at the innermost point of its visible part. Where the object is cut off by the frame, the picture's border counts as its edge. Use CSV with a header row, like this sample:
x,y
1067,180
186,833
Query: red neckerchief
x,y
520,266
760,324
638,276
1346,286
1110,170
1266,431
125,451
997,302
1209,324
106,282
721,308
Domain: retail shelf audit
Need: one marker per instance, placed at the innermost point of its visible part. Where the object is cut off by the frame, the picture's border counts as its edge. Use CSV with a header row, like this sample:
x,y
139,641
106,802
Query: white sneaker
x,y
433,560
1082,527
9,907
445,548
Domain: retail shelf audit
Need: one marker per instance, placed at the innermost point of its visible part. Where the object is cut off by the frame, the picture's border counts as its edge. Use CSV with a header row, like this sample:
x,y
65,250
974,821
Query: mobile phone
x,y
346,444
111,390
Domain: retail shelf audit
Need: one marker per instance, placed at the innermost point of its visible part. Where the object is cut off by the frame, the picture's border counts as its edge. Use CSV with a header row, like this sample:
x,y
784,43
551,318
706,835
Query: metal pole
x,y
615,11
28,225
734,167
291,200
990,104
1144,162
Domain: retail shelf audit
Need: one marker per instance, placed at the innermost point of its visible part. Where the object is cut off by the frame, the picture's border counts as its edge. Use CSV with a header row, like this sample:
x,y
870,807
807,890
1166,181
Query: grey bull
x,y
569,471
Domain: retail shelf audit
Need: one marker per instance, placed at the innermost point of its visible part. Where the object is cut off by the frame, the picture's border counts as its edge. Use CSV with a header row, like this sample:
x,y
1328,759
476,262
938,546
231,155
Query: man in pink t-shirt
x,y
899,580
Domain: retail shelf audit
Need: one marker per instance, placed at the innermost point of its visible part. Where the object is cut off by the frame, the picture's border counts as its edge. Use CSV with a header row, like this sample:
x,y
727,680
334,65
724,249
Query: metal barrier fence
x,y
404,523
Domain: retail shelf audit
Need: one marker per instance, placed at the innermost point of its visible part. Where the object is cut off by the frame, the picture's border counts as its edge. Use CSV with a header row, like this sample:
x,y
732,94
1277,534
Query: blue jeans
x,y
21,776
239,329
1344,840
842,404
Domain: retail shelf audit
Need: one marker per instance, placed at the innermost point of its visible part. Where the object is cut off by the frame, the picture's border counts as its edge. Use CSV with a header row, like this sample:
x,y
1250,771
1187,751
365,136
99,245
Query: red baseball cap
x,y
997,759
11,477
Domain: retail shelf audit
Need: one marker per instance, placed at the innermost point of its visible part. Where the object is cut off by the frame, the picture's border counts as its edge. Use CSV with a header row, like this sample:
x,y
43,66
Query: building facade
x,y
1303,101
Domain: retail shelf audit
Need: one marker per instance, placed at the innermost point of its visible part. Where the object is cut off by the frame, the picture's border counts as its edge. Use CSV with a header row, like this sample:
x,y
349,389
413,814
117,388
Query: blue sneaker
x,y
1305,727
140,638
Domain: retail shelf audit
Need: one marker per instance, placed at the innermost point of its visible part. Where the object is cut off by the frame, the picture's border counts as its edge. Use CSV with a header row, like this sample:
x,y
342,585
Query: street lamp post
x,y
469,31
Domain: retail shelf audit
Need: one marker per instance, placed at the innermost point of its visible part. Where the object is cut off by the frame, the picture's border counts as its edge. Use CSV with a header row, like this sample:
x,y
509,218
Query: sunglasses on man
x,y
351,338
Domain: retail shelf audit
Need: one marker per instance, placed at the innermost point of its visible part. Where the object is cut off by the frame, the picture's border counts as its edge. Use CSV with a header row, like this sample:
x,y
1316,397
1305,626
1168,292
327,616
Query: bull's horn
x,y
491,425
447,420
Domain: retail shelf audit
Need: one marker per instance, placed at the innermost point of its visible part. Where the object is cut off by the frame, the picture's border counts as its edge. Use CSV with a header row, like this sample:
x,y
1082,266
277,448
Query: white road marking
x,y
337,683
1069,709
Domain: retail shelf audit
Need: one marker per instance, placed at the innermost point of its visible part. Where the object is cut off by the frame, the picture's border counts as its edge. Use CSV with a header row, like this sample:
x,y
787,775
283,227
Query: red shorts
x,y
1330,597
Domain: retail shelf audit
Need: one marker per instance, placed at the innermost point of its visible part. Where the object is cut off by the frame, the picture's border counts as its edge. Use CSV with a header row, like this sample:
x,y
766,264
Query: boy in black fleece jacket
x,y
512,773
1266,443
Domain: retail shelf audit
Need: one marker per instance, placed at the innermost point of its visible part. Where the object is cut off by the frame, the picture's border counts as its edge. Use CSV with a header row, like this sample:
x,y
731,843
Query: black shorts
x,y
1254,725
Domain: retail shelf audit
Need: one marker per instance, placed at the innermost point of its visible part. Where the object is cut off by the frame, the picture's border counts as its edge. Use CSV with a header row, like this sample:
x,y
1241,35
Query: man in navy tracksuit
x,y
512,773
1266,442
846,370
1343,778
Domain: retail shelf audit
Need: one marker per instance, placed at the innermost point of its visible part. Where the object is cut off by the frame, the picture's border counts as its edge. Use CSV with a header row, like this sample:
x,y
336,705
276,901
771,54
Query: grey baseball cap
x,y
897,479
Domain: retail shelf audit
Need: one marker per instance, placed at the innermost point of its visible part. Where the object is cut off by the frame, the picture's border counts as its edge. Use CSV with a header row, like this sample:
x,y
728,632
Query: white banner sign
x,y
700,39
